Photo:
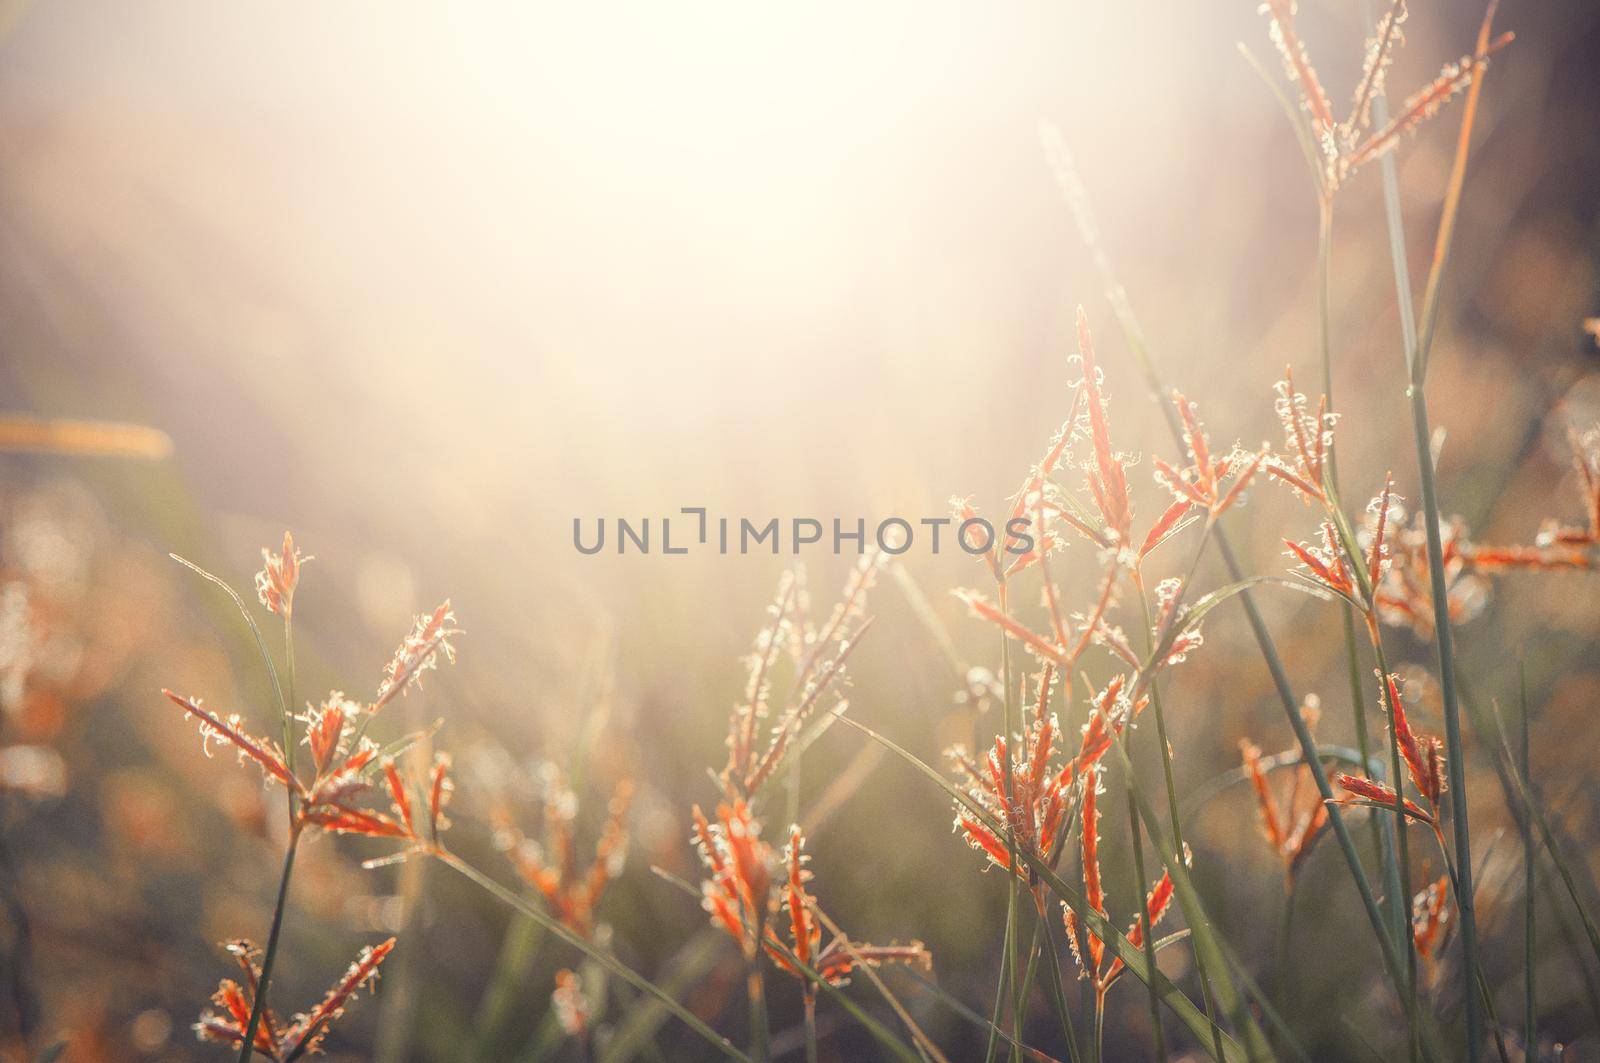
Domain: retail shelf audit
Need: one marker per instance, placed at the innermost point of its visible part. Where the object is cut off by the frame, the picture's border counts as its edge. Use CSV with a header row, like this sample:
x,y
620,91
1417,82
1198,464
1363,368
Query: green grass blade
x,y
1194,913
261,645
1271,1014
1140,879
1058,996
605,959
1530,950
688,966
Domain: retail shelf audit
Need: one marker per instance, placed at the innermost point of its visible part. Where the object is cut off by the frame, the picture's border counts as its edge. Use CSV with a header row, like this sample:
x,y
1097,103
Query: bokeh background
x,y
423,283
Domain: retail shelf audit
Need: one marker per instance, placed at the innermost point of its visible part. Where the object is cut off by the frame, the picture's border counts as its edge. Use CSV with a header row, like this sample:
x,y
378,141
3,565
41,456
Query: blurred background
x,y
423,283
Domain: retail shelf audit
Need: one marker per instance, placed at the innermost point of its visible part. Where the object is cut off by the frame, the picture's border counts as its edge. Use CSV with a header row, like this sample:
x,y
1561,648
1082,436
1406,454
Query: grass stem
x,y
1144,926
269,958
1530,895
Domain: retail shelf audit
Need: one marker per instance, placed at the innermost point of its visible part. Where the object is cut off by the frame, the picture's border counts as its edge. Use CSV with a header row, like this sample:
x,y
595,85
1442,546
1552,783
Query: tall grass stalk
x,y
1144,925
1013,727
1002,987
1416,357
1207,993
605,959
1530,895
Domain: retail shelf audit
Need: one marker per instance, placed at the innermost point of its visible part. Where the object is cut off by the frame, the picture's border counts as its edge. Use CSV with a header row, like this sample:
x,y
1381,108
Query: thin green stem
x,y
1522,801
1455,761
271,955
289,701
811,1024
755,988
1206,991
1285,934
1058,996
1402,844
1019,1000
1530,997
286,707
1358,700
1395,874
1145,929
1099,1026
1000,989
1416,353
605,959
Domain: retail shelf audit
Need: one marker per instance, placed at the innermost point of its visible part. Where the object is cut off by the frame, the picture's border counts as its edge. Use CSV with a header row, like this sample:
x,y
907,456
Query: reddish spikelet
x,y
325,729
1157,901
1194,438
1031,803
1307,438
1093,891
1325,564
981,838
279,576
749,857
1240,482
838,961
804,931
611,850
397,792
820,659
1298,65
1270,825
754,707
1405,596
1181,488
213,726
963,511
573,898
1292,826
720,894
1044,729
308,1030
1423,104
337,819
1429,915
738,860
1376,792
732,896
440,789
1379,553
1537,558
1202,483
1031,492
1376,59
237,1002
1108,481
570,1005
1419,754
305,1035
1039,644
430,637
1164,527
